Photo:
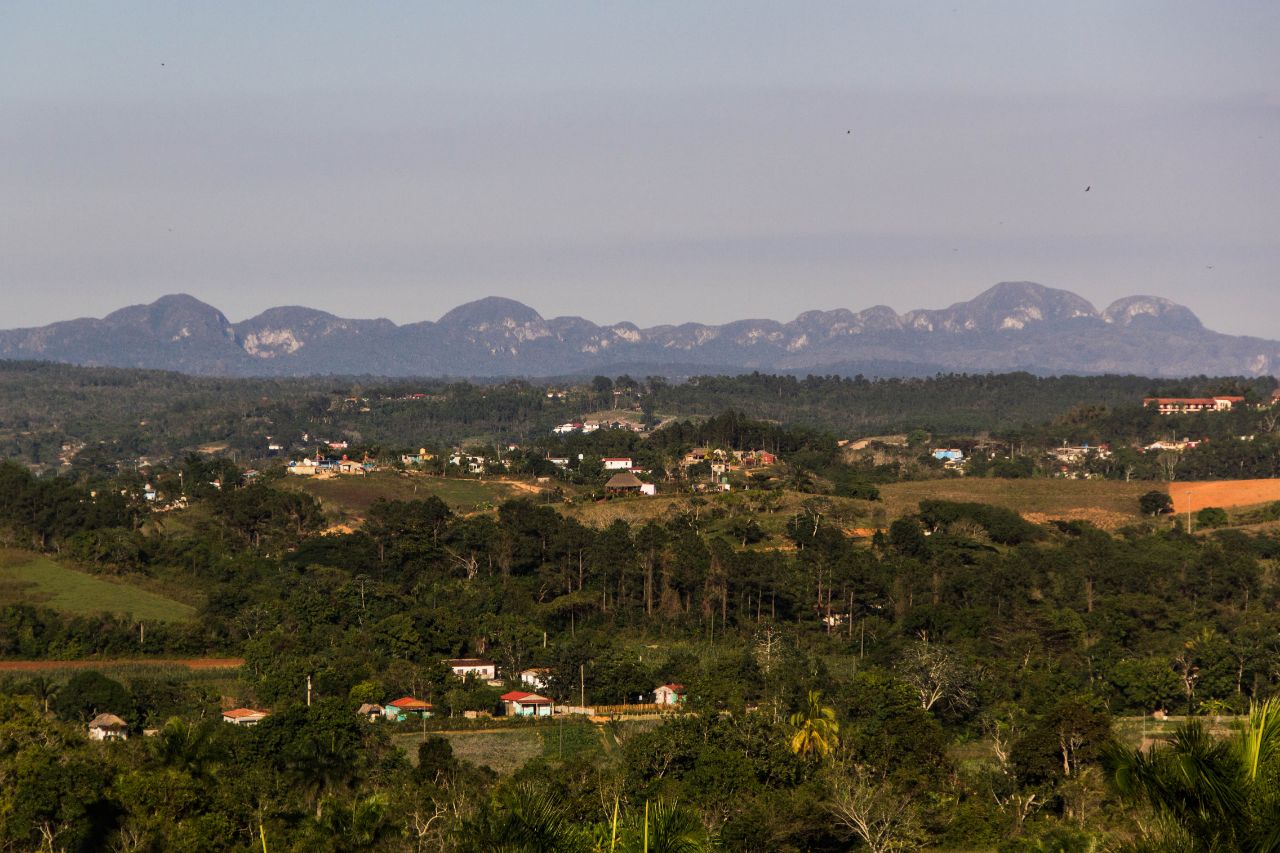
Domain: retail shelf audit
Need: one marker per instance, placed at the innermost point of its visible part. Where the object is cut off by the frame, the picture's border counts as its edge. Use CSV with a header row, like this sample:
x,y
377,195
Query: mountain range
x,y
1012,326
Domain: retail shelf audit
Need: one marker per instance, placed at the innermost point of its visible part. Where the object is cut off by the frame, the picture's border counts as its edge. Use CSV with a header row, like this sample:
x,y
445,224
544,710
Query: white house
x,y
480,668
535,677
669,694
619,463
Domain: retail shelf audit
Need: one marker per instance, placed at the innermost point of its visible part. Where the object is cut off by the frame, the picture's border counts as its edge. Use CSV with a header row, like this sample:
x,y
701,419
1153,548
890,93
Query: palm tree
x,y
816,729
356,825
43,689
1217,795
667,828
523,819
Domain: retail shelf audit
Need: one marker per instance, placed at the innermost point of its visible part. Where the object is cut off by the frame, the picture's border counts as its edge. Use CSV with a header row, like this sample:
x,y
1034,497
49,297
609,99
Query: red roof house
x,y
518,703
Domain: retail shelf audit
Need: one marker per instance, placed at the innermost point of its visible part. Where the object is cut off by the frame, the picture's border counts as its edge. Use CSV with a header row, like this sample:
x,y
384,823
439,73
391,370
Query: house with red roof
x,y
244,716
518,703
1190,405
669,694
407,707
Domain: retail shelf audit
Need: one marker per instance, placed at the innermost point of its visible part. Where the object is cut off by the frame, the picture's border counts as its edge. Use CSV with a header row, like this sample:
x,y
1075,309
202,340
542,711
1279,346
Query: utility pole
x,y
142,633
308,691
582,685
1190,529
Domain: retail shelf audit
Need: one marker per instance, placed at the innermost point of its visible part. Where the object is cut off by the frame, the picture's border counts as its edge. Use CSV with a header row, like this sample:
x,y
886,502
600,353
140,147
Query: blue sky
x,y
655,161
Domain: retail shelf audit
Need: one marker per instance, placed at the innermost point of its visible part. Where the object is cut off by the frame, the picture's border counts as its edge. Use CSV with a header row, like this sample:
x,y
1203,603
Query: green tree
x,y
90,693
1155,503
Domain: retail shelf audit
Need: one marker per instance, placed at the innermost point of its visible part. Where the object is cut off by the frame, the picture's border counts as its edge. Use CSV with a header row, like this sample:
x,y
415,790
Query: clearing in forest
x,y
29,578
354,495
1105,503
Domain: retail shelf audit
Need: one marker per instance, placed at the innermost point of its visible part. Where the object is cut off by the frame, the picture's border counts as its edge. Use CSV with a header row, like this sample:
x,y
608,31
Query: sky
x,y
652,161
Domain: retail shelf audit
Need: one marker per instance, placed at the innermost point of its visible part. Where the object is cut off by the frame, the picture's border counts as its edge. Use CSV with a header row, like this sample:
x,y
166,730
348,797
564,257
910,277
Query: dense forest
x,y
963,680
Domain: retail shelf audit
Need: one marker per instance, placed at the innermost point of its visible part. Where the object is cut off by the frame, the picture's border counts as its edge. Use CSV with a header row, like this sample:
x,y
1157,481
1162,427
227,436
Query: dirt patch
x,y
1099,518
189,663
1223,493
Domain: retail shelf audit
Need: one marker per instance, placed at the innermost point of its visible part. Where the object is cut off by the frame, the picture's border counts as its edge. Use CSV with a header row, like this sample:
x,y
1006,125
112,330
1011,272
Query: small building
x,y
407,707
479,667
559,461
422,457
535,677
371,711
304,467
669,694
624,482
617,463
517,703
244,716
648,489
108,727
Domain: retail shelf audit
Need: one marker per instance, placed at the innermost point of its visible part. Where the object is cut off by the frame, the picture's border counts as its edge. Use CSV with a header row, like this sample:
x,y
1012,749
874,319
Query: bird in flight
x,y
1086,189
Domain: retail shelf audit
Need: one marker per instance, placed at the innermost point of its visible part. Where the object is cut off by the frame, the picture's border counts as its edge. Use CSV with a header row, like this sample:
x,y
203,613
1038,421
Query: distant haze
x,y
654,162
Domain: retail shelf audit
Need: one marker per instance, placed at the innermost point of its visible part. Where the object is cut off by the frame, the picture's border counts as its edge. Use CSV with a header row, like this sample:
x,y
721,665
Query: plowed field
x,y
1223,493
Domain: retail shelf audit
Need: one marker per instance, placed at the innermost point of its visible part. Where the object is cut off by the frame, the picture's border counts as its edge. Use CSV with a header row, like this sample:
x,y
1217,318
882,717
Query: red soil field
x,y
189,663
1223,493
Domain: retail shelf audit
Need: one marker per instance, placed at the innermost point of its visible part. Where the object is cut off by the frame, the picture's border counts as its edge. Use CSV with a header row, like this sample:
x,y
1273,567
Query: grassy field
x,y
1107,503
503,750
638,510
352,496
35,579
506,750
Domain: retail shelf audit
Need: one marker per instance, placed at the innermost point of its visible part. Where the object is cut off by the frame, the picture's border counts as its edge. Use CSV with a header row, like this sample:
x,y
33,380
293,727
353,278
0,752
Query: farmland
x,y
1109,504
506,749
36,579
1223,493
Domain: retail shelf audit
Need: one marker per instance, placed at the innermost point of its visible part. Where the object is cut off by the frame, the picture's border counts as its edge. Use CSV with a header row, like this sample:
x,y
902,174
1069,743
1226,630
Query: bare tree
x,y
883,818
936,673
1012,798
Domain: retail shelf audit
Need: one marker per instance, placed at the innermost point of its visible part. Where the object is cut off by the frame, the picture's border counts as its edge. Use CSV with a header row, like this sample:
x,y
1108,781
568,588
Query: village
x,y
518,702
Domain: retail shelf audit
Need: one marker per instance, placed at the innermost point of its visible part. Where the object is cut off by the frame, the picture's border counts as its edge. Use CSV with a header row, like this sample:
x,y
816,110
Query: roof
x,y
108,721
410,703
369,708
674,688
1192,401
523,698
623,480
616,459
535,669
469,662
241,713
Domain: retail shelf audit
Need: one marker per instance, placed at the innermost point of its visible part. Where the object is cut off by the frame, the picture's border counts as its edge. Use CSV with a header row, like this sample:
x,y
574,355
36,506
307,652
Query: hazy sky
x,y
650,161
